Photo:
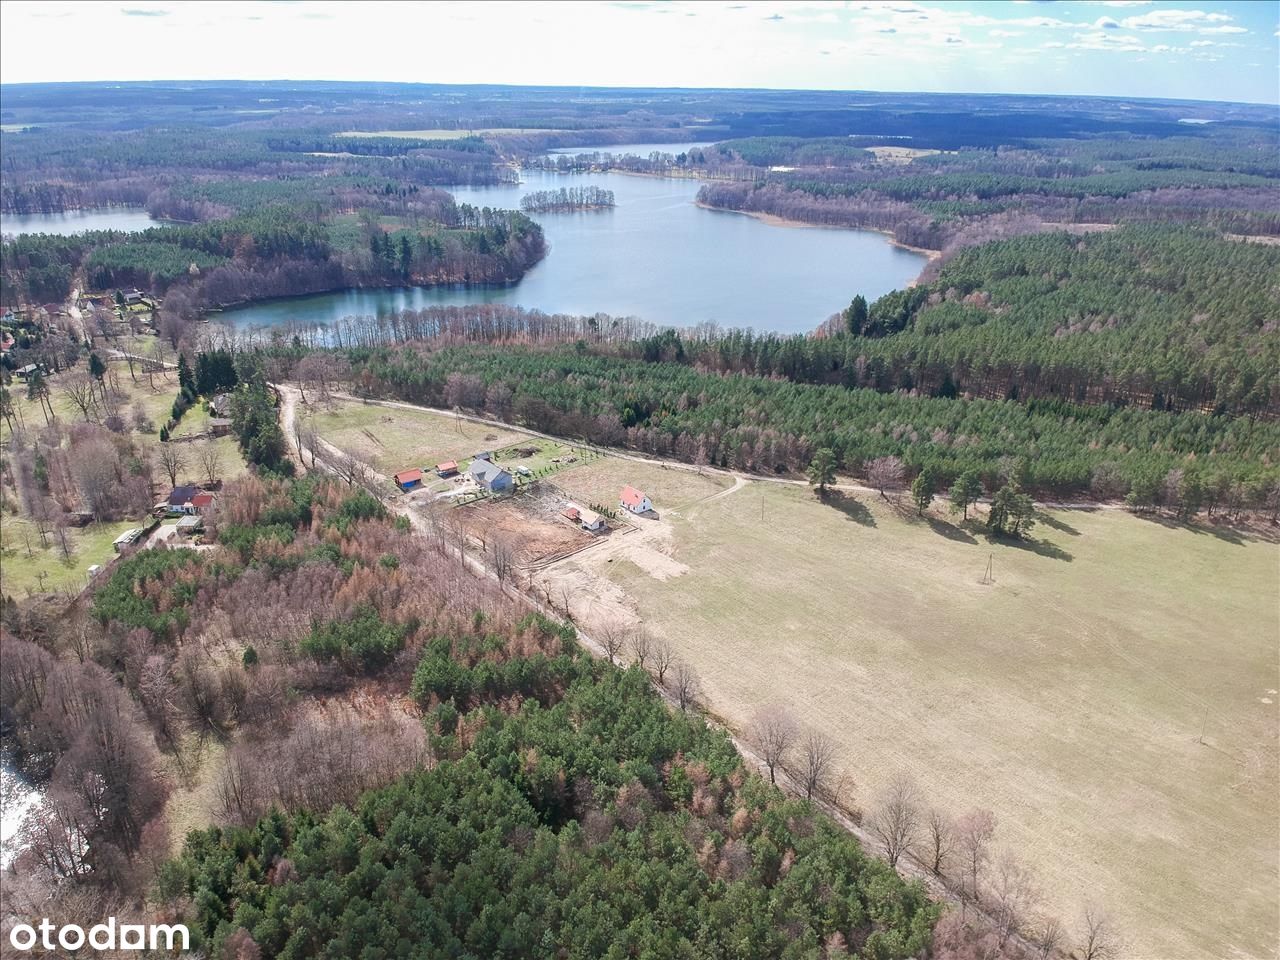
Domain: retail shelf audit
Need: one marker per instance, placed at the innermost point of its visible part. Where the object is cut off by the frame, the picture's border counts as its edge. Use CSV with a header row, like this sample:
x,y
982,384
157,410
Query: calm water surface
x,y
656,256
78,221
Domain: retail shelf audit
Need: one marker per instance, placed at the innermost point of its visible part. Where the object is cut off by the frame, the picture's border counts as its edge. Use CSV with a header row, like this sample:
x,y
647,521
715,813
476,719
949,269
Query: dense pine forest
x,y
773,425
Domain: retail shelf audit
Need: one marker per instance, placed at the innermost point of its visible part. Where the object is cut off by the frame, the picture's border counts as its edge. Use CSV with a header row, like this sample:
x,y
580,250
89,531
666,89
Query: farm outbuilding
x,y
633,500
447,469
489,476
409,479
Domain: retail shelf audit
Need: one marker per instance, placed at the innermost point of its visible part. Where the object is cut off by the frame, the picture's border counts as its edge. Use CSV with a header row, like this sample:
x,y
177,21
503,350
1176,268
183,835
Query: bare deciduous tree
x,y
772,732
1013,895
639,642
896,819
885,474
173,460
684,684
663,655
502,557
81,390
973,836
819,760
210,462
1048,936
1097,936
939,841
613,637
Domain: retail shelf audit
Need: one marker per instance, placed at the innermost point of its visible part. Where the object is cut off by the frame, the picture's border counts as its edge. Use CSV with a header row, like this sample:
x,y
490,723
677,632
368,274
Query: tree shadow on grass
x,y
851,507
1055,523
1045,548
1238,534
950,530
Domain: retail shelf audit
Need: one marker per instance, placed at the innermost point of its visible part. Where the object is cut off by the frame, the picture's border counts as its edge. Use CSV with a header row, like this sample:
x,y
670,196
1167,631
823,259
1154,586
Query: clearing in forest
x,y
1068,696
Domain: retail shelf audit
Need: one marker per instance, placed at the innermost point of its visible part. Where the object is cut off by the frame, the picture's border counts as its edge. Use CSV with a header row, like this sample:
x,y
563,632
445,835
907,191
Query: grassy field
x,y
602,482
392,439
1068,696
21,570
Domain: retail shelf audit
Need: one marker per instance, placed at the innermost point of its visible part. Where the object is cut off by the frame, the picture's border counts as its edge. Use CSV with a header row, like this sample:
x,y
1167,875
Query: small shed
x,y
572,513
591,520
127,539
447,469
634,500
409,479
219,426
483,455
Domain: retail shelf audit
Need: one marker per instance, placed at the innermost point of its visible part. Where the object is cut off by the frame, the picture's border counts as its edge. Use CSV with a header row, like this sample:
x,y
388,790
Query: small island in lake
x,y
567,199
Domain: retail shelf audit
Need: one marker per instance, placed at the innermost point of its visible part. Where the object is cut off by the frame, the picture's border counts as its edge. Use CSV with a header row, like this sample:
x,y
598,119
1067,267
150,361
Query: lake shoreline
x,y
776,221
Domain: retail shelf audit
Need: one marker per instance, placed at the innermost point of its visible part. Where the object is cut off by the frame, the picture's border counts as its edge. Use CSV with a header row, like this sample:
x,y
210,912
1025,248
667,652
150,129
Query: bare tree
x,y
974,832
896,819
663,655
1048,936
939,841
173,461
772,732
613,637
1097,937
684,684
1013,894
81,390
640,643
885,474
502,557
819,759
210,461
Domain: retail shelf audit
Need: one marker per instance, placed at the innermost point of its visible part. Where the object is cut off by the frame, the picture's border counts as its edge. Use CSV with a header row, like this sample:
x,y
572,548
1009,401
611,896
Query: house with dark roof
x,y
180,498
489,476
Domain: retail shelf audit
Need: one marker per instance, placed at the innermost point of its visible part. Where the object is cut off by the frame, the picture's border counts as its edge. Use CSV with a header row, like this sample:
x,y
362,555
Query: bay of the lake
x,y
130,219
655,255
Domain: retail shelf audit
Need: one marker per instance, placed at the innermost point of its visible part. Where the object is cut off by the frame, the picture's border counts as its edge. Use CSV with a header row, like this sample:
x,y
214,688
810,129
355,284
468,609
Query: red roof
x,y
570,512
447,465
202,500
632,497
409,476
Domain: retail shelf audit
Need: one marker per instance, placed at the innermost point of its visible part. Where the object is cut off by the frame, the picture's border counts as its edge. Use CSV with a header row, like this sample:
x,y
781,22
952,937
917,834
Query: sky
x,y
1133,48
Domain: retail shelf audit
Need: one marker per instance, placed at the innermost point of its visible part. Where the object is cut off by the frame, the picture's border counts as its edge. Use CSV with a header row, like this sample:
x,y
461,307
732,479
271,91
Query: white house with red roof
x,y
634,501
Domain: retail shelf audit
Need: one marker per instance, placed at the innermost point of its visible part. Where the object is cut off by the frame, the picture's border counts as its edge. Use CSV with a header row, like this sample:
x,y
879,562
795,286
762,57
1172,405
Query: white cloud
x,y
1170,19
1224,29
1202,43
1006,33
1106,23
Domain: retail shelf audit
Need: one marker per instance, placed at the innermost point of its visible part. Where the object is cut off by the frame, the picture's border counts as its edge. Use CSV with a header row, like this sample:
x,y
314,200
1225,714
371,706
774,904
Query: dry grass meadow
x,y
1068,696
393,439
